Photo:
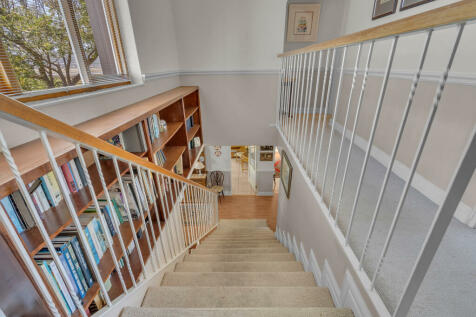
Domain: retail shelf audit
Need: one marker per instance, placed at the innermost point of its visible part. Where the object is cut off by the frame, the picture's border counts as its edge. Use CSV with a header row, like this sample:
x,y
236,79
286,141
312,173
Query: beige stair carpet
x,y
238,270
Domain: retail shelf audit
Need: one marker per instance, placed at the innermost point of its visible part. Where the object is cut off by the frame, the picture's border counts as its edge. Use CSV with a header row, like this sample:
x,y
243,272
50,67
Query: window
x,y
51,48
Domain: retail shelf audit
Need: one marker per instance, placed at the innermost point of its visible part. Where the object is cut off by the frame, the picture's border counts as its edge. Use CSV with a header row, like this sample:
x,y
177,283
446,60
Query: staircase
x,y
238,270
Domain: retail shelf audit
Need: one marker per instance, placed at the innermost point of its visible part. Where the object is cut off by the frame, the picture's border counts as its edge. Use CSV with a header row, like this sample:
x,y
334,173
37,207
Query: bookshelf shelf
x,y
190,111
175,107
192,132
172,153
172,129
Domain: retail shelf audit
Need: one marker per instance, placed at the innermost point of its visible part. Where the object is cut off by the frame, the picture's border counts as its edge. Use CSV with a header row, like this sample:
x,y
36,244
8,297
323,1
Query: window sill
x,y
68,91
77,96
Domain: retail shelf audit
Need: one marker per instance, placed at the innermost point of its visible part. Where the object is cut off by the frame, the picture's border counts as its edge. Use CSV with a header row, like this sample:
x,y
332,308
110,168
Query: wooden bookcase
x,y
175,107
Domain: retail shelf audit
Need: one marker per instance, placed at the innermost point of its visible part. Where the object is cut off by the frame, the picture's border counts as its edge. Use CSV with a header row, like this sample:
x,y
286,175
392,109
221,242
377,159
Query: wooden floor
x,y
248,207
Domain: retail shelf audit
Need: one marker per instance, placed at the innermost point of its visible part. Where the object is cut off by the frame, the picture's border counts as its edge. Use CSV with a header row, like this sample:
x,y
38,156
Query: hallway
x,y
239,179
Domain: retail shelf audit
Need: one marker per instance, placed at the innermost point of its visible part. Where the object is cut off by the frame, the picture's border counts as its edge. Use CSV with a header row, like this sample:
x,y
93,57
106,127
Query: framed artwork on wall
x,y
286,173
266,157
407,4
383,8
303,20
266,148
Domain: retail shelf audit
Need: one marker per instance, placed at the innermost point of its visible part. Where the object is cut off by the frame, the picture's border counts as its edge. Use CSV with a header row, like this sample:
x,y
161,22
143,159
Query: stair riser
x,y
239,251
198,297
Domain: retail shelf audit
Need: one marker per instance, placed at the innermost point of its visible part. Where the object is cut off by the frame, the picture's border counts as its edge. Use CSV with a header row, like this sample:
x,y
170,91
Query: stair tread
x,y
291,266
237,312
240,257
185,297
240,250
238,279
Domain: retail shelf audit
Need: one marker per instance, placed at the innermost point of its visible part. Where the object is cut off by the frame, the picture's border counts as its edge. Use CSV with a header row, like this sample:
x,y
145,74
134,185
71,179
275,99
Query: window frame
x,y
9,84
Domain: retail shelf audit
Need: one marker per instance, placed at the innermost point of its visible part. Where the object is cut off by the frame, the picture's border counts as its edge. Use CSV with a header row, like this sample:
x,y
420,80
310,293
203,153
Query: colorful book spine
x,y
70,274
68,176
51,280
92,230
91,244
98,232
47,192
82,262
82,176
12,214
77,267
105,211
75,173
53,184
62,286
118,210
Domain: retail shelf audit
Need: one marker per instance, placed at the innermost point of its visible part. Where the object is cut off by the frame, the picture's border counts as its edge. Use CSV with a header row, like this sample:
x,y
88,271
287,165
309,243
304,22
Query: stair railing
x,y
184,211
303,96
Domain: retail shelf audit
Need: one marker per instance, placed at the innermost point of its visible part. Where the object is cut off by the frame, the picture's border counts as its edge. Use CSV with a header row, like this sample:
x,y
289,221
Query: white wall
x,y
220,163
229,34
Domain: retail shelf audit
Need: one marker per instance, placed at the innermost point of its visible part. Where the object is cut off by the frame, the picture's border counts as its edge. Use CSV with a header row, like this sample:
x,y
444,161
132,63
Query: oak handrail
x,y
17,111
453,13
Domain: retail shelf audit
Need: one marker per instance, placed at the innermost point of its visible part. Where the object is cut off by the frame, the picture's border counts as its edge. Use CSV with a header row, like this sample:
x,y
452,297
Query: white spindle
x,y
419,151
308,107
316,94
129,216
292,95
324,121
164,207
114,220
103,222
336,109
32,268
383,90
295,99
397,144
319,120
354,77
74,215
356,120
298,136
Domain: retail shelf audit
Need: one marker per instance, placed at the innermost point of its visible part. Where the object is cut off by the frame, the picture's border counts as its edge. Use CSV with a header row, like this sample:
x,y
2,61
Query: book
x,y
54,285
46,190
79,167
68,176
62,286
78,251
23,209
100,237
71,257
107,216
74,171
68,260
134,140
53,187
12,213
36,191
156,125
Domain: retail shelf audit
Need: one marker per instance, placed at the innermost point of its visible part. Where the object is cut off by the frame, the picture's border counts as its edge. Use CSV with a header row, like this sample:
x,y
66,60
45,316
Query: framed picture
x,y
266,157
407,4
266,147
303,20
286,173
383,8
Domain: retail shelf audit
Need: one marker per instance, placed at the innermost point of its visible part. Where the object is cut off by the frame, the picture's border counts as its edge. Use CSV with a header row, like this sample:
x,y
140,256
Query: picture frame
x,y
408,4
266,148
303,21
266,156
286,173
383,8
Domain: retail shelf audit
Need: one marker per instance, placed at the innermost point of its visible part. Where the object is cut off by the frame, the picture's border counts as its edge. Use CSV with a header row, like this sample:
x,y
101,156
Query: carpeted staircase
x,y
238,270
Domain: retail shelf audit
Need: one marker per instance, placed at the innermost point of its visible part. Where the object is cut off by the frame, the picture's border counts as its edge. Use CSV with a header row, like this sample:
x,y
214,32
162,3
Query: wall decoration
x,y
407,4
266,147
266,157
286,173
383,8
303,20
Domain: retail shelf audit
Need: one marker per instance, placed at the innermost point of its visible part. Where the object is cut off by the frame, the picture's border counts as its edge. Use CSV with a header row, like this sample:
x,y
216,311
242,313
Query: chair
x,y
215,182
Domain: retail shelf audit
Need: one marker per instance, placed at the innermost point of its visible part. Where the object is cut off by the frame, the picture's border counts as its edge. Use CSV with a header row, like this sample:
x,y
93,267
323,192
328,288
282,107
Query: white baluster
x,y
298,136
164,204
308,107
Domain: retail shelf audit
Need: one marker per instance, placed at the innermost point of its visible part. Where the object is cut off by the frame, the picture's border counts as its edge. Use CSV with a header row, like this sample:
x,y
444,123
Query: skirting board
x,y
464,213
345,296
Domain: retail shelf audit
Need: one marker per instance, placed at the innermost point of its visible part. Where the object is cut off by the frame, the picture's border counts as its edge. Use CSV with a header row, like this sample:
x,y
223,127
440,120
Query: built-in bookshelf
x,y
137,128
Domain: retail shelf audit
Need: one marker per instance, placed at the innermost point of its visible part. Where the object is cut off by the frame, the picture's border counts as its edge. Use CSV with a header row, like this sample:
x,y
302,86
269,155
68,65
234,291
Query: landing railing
x,y
311,95
180,212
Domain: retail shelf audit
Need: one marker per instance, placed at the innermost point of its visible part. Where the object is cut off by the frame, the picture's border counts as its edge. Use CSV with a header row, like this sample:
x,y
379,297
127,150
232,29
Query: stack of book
x,y
153,125
160,155
72,257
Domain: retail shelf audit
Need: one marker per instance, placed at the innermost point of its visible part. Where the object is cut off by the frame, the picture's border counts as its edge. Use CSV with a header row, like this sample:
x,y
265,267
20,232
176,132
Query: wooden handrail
x,y
19,112
453,13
